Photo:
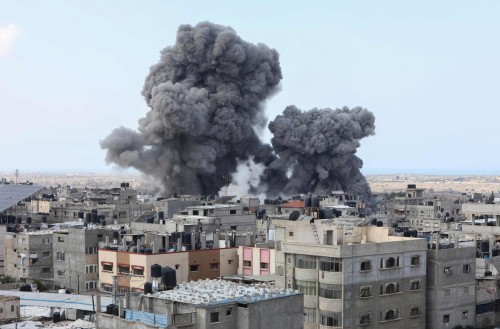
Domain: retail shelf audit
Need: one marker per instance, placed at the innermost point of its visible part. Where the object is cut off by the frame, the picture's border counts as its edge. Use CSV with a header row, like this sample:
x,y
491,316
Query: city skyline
x,y
72,72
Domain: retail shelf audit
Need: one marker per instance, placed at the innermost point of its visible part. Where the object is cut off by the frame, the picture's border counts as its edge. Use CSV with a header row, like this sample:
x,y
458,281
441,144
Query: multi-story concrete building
x,y
211,304
76,264
256,261
132,270
451,288
352,276
28,255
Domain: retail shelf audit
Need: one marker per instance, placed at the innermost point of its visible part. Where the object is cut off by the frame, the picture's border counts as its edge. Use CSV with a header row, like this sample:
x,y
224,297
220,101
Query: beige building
x,y
352,276
132,269
9,307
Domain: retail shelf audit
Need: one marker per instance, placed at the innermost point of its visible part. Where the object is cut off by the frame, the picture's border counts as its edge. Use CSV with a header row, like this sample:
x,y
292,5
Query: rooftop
x,y
212,292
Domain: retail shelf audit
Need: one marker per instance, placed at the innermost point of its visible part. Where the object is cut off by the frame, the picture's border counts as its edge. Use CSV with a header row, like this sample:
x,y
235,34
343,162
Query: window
x,y
390,315
123,269
107,267
61,273
415,311
447,271
12,308
365,319
390,262
1,310
229,311
46,240
107,287
330,264
46,254
264,266
390,288
466,290
330,291
232,212
306,287
214,266
466,268
214,317
415,285
465,314
60,256
366,265
137,270
247,263
46,270
196,212
60,239
233,227
290,233
310,315
193,268
446,318
365,292
330,319
415,260
446,293
305,261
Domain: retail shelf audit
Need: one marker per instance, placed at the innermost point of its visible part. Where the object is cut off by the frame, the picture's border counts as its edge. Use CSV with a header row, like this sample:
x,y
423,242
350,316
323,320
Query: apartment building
x,y
256,261
352,276
451,287
28,255
133,269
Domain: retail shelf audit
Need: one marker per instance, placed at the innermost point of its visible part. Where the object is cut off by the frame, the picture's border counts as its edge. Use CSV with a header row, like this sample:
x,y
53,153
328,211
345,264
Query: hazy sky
x,y
72,71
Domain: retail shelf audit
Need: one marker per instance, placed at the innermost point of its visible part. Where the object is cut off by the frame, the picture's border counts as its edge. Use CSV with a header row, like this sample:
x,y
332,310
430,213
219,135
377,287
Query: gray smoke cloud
x,y
317,149
205,97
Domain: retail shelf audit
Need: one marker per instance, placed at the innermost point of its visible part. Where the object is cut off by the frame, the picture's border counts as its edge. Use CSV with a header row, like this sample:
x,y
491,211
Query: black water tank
x,y
315,202
148,250
488,273
93,218
25,287
148,288
80,214
116,310
116,235
161,215
19,220
294,215
88,217
307,202
169,279
161,250
109,309
141,250
186,238
56,317
380,223
28,220
156,271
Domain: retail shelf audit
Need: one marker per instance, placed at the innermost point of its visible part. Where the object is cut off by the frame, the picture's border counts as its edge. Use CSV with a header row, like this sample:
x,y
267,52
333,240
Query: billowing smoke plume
x,y
205,97
317,148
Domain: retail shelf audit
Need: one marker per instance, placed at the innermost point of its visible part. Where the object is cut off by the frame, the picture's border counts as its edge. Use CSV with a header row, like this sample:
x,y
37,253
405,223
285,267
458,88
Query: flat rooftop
x,y
213,292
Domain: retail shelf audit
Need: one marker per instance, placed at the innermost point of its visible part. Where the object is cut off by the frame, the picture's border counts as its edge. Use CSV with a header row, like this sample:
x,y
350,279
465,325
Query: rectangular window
x,y
214,317
446,293
447,271
46,270
365,292
60,239
465,314
466,290
330,291
414,311
306,287
415,260
137,270
123,269
330,319
365,318
467,268
107,288
446,318
229,311
366,265
60,256
264,266
214,266
193,268
415,285
232,212
330,264
61,273
107,267
305,261
247,263
12,308
46,254
290,233
310,315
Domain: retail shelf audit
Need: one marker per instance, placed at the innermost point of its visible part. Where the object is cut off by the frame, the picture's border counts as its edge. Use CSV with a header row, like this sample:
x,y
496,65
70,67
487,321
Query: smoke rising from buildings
x,y
206,99
317,148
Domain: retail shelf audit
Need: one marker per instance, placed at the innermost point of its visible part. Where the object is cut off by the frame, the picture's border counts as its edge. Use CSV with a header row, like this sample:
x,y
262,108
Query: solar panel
x,y
11,194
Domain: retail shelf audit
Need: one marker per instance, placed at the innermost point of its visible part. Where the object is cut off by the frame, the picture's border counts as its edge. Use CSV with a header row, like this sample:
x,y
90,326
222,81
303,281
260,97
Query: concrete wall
x,y
9,307
106,321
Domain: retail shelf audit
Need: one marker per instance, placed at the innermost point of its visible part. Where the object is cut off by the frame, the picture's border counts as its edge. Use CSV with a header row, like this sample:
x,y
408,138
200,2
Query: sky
x,y
72,71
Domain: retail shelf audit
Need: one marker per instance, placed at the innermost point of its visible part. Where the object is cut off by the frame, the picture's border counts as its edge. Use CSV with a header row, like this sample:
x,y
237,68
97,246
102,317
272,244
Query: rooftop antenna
x,y
16,173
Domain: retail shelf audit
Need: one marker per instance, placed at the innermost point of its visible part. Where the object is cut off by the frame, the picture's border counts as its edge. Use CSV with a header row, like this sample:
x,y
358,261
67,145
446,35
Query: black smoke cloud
x,y
317,148
206,99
